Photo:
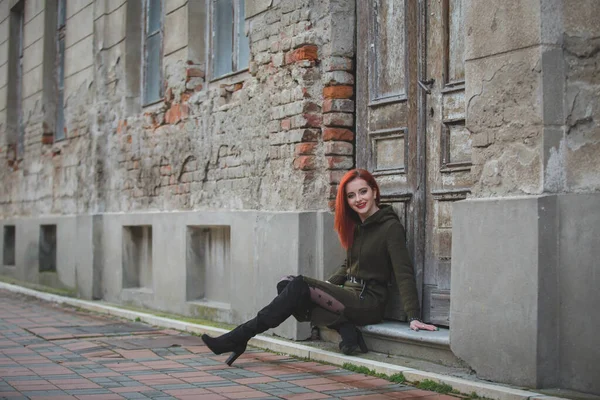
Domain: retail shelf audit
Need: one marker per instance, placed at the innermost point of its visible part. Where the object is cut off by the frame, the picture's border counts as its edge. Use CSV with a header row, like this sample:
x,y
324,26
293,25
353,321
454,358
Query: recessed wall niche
x,y
208,263
137,257
8,247
47,248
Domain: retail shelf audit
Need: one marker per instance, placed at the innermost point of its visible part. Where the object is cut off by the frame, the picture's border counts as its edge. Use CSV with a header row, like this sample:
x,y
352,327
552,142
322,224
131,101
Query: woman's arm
x,y
405,276
339,276
403,269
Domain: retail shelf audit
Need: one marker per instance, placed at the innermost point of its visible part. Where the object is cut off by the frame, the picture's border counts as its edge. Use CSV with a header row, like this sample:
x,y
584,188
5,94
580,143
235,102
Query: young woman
x,y
357,293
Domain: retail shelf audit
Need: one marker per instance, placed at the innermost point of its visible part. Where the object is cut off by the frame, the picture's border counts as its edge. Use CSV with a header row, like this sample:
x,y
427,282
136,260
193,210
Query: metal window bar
x,y
152,76
61,23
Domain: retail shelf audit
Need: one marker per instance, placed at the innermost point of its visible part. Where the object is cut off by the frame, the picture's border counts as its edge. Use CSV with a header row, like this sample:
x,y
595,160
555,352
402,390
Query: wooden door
x,y
410,129
448,149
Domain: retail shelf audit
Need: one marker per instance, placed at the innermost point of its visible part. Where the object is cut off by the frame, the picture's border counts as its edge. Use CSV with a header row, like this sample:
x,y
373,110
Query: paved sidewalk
x,y
52,352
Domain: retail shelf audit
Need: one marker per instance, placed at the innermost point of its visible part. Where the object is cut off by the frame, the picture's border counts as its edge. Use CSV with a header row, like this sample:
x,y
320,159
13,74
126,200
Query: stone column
x,y
518,263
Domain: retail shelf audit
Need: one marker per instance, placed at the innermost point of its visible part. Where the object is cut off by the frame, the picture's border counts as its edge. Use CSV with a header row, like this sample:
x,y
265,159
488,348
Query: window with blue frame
x,y
230,45
153,43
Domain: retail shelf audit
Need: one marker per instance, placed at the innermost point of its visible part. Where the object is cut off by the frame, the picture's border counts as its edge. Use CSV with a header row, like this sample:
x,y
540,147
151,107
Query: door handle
x,y
426,85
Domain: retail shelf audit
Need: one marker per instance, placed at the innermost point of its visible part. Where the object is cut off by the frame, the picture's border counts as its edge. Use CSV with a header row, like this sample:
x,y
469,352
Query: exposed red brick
x,y
310,135
194,73
169,95
286,124
336,176
339,148
306,148
176,113
338,105
305,163
185,97
307,52
238,86
198,88
340,134
165,170
338,119
121,126
129,139
338,92
339,162
47,139
309,106
313,120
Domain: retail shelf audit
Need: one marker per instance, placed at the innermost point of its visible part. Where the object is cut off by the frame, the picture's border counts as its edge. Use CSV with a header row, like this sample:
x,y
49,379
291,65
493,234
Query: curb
x,y
482,389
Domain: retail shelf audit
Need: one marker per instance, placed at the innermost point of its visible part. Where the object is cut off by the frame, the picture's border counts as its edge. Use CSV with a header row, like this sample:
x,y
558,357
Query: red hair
x,y
346,217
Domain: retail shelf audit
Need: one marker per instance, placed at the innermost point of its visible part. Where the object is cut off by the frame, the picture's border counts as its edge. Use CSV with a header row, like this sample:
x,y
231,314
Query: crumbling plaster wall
x,y
581,146
532,88
254,140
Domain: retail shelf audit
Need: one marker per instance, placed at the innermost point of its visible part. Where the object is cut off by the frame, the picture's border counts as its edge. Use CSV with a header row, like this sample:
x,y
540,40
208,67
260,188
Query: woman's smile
x,y
361,198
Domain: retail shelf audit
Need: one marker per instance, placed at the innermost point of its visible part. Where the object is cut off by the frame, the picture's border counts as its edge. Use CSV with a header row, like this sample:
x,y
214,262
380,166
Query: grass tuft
x,y
396,378
433,386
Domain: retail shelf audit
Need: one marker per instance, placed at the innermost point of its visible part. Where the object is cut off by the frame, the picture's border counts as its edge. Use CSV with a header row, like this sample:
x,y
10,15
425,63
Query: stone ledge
x,y
401,332
396,338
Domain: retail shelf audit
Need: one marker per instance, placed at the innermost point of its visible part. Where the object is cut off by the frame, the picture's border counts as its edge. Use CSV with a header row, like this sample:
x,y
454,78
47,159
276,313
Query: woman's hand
x,y
416,325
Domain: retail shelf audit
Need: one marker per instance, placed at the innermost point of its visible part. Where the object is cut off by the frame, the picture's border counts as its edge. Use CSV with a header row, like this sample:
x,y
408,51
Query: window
x,y
231,48
60,69
153,39
16,128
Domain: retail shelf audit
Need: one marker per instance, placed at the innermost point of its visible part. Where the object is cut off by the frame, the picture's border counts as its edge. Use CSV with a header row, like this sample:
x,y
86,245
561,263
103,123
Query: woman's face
x,y
361,198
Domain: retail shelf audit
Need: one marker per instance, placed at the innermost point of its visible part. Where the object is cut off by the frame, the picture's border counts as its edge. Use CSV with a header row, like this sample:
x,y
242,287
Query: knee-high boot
x,y
295,294
352,339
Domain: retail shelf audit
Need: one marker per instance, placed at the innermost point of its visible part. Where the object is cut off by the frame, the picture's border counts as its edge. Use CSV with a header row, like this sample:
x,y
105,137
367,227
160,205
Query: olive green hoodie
x,y
379,248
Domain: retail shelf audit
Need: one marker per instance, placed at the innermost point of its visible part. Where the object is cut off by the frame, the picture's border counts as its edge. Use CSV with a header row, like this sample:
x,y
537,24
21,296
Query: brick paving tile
x,y
211,396
131,389
188,392
140,364
306,396
314,381
258,379
248,394
327,387
414,393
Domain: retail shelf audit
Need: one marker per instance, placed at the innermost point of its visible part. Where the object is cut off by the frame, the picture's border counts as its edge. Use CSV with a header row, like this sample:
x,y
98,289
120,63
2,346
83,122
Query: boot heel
x,y
234,356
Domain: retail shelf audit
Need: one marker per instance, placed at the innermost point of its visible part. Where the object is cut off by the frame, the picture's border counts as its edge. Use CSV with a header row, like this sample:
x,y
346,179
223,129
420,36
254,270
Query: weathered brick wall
x,y
276,137
51,178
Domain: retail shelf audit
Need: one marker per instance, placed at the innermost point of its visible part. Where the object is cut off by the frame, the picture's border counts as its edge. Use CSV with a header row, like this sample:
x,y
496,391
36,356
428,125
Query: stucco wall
x,y
532,87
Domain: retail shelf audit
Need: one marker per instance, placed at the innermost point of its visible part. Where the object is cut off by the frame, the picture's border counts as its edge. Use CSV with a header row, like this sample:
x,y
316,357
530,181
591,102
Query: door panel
x,y
386,100
448,150
387,45
410,129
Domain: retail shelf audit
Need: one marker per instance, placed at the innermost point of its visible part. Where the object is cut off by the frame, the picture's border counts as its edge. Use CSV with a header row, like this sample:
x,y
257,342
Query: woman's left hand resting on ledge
x,y
416,325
